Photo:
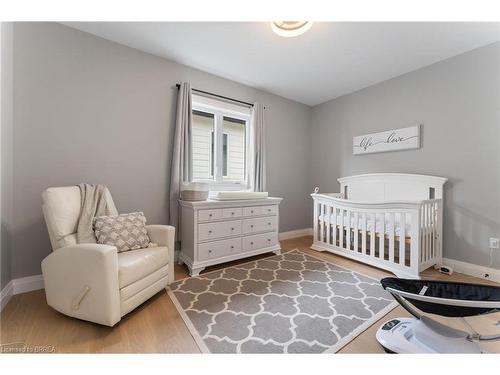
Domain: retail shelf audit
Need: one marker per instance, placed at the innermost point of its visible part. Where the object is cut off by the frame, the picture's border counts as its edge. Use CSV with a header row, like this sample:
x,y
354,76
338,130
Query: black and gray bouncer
x,y
422,334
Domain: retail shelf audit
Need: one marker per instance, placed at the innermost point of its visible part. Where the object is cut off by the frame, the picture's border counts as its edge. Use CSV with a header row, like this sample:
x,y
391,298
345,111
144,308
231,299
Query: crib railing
x,y
402,237
430,232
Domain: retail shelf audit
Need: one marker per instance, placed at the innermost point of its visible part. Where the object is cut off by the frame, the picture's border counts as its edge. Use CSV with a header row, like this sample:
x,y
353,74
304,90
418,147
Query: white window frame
x,y
219,183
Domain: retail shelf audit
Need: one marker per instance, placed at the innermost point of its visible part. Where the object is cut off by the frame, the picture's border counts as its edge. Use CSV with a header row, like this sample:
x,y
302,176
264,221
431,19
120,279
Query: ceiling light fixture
x,y
289,29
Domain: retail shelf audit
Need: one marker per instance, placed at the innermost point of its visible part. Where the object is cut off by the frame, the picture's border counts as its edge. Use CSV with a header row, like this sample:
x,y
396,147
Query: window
x,y
220,137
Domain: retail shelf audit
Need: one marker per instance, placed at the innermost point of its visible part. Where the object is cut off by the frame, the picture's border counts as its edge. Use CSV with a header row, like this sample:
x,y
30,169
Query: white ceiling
x,y
330,60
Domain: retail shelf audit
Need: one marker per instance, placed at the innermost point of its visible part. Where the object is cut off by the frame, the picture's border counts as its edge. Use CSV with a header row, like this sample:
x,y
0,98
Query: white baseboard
x,y
18,286
295,234
475,270
6,294
28,284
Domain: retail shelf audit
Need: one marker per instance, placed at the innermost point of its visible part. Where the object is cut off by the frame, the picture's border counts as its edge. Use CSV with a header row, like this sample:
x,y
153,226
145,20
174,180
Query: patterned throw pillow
x,y
125,231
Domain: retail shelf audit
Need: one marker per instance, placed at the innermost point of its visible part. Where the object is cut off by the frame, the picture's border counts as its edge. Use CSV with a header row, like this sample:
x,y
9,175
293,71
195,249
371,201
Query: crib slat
x,y
429,224
381,247
322,223
334,226
421,234
356,230
341,228
402,237
391,237
434,235
348,230
363,233
439,250
424,233
316,222
427,231
328,228
372,235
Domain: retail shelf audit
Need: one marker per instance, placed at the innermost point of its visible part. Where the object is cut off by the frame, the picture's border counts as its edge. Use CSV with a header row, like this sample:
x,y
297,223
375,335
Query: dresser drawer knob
x,y
210,215
251,212
232,247
209,231
251,243
251,225
268,210
232,228
232,213
210,251
268,223
268,240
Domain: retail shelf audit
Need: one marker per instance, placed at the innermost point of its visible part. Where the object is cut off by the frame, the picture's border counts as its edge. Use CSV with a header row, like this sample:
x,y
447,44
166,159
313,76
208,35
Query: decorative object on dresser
x,y
194,191
390,140
215,232
388,220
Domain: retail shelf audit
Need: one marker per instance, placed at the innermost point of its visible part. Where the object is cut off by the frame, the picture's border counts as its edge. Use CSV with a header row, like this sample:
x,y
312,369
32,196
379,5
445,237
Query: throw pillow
x,y
125,231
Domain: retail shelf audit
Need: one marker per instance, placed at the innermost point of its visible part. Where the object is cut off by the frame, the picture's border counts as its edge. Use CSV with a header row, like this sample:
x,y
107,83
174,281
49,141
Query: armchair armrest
x,y
164,235
82,281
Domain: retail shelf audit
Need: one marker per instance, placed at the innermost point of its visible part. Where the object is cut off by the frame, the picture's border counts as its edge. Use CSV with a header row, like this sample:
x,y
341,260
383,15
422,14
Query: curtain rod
x,y
218,96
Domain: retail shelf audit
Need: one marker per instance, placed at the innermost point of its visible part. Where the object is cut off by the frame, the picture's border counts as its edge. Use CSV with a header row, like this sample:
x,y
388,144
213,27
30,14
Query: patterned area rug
x,y
289,303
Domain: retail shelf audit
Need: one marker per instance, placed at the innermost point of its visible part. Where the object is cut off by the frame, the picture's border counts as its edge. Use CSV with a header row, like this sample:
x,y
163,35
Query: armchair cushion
x,y
137,264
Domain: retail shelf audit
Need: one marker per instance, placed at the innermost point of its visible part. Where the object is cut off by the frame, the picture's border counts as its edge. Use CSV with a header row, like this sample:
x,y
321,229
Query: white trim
x,y
6,294
473,269
295,234
18,286
28,284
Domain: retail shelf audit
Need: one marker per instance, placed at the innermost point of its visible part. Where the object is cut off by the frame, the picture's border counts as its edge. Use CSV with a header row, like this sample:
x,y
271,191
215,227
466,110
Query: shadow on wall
x,y
468,234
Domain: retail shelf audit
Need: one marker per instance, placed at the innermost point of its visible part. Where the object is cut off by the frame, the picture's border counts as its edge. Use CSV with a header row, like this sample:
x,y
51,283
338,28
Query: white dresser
x,y
215,232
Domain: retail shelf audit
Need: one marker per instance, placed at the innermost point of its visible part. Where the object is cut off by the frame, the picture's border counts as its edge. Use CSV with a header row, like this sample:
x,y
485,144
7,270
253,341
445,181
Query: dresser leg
x,y
196,271
277,252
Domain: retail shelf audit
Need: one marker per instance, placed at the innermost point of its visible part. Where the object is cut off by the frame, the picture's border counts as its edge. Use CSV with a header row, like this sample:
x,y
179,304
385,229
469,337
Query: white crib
x,y
388,220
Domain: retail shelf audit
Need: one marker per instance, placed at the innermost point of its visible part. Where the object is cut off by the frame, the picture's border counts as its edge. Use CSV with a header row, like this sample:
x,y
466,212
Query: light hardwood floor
x,y
156,326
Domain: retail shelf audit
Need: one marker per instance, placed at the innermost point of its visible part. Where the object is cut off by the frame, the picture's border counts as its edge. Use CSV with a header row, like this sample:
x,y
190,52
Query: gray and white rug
x,y
289,303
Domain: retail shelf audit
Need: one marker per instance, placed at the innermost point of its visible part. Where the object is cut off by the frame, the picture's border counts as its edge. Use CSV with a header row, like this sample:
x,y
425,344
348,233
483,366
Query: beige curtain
x,y
181,168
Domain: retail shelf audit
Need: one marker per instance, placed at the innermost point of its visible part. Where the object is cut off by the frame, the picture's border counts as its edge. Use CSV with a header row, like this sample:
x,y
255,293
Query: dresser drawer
x,y
230,213
260,224
259,241
260,210
218,249
204,215
213,231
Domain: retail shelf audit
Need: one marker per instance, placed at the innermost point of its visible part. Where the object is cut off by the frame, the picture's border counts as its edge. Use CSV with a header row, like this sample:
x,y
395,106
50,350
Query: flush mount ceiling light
x,y
289,29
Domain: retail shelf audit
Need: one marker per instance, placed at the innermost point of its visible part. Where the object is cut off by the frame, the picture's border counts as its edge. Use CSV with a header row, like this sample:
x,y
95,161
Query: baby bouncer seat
x,y
423,334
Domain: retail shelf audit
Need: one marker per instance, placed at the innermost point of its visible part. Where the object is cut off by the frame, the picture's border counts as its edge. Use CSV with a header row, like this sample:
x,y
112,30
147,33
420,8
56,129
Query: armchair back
x,y
61,209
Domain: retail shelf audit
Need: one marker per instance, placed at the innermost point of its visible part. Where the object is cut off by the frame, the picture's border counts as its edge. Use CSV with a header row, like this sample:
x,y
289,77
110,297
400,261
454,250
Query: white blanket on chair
x,y
96,201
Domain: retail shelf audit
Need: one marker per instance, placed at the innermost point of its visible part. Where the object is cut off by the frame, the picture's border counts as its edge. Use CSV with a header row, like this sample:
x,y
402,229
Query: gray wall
x,y
458,102
87,109
6,134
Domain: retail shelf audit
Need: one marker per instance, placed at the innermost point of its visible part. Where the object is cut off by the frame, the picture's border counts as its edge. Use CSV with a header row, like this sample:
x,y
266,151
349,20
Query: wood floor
x,y
156,326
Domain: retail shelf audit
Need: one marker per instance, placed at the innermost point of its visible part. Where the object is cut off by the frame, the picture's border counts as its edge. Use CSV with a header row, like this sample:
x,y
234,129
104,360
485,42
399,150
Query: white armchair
x,y
94,282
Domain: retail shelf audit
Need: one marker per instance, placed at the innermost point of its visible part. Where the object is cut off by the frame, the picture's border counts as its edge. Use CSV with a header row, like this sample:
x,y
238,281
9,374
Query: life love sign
x,y
390,140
